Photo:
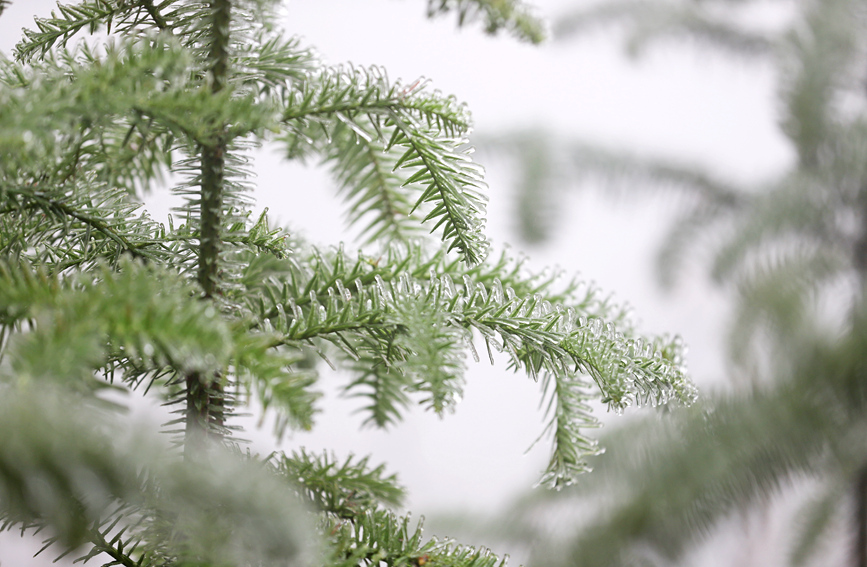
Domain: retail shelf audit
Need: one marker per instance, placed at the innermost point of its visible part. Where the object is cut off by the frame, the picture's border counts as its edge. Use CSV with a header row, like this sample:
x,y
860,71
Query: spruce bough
x,y
221,308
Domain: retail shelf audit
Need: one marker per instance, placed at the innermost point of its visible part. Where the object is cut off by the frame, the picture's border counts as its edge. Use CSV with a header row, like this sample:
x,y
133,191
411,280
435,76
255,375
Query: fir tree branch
x,y
271,64
702,468
88,14
381,537
98,103
513,15
823,54
650,21
120,318
383,385
776,298
35,197
344,489
451,185
341,94
423,132
373,188
155,14
64,228
59,28
113,548
61,468
407,332
785,211
179,88
569,414
548,163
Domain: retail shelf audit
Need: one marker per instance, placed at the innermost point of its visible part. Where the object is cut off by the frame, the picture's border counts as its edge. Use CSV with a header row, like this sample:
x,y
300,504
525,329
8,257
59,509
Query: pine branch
x,y
53,497
823,56
777,300
791,210
345,489
62,469
87,15
676,479
222,307
694,228
259,236
94,535
121,317
647,22
374,190
452,186
90,14
188,24
513,15
121,551
435,345
406,333
271,64
155,14
66,228
379,536
280,379
381,384
343,95
423,132
106,108
24,198
570,415
24,287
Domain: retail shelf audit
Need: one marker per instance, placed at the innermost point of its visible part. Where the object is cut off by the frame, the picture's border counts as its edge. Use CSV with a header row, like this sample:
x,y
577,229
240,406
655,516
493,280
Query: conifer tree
x,y
792,251
217,308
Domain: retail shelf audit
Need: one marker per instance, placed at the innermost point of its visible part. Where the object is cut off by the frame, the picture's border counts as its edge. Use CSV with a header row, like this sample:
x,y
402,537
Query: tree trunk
x,y
205,408
860,540
859,553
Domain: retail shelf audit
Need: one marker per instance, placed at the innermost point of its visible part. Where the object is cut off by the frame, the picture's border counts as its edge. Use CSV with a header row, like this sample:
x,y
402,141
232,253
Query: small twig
x,y
156,16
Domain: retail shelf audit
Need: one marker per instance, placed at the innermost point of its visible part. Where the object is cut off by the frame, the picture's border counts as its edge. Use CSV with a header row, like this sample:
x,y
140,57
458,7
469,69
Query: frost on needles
x,y
216,308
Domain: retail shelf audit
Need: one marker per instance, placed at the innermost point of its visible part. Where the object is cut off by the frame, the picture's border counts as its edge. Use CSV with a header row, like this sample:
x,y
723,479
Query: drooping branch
x,y
36,198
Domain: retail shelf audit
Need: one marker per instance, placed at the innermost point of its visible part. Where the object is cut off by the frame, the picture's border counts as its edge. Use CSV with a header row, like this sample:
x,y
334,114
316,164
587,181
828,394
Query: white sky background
x,y
675,102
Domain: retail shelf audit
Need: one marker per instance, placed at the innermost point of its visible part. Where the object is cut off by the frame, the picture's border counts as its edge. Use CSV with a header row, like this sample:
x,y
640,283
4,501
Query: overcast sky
x,y
691,106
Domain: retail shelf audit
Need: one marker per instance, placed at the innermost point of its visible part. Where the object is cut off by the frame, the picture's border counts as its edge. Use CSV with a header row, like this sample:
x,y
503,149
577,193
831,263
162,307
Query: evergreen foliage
x,y
218,308
791,250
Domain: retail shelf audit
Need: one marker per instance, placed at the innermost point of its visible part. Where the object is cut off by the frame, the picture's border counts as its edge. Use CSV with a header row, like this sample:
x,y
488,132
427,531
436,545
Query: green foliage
x,y
647,22
675,479
513,15
344,490
64,469
794,253
351,116
99,301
